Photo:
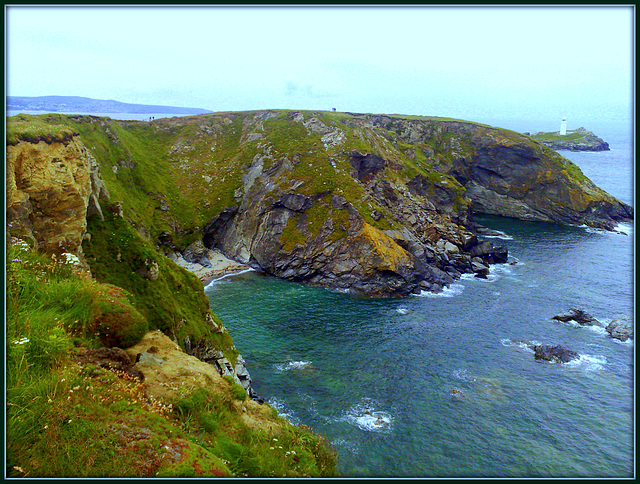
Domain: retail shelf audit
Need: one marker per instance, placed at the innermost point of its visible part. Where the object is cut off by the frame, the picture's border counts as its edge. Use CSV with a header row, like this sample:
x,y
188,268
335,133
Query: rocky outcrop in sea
x,y
620,327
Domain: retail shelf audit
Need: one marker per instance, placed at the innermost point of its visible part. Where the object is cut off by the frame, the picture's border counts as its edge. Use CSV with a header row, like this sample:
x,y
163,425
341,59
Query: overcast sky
x,y
465,62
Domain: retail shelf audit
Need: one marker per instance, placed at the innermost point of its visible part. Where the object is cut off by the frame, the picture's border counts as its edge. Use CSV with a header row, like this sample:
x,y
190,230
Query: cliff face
x,y
378,205
505,174
51,186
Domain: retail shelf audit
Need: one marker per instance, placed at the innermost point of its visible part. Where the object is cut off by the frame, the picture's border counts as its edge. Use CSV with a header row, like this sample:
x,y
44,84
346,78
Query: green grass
x,y
67,421
174,303
556,136
25,127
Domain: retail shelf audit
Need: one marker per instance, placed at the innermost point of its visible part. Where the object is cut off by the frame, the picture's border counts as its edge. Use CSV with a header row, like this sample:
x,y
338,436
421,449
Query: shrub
x,y
117,322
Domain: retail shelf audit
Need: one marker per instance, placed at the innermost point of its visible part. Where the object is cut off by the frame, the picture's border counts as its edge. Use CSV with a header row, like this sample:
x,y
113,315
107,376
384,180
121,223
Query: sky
x,y
475,63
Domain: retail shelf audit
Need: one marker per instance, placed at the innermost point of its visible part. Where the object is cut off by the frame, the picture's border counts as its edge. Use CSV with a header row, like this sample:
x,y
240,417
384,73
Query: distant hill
x,y
71,104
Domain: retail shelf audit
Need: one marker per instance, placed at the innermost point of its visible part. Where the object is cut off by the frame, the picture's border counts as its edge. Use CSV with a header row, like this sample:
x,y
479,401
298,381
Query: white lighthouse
x,y
563,127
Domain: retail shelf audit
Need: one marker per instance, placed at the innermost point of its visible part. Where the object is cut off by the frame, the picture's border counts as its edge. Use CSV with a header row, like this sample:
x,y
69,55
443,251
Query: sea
x,y
120,116
445,385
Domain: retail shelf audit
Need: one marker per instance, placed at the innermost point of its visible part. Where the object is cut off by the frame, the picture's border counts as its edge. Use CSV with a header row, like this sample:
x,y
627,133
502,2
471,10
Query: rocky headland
x,y
575,140
376,205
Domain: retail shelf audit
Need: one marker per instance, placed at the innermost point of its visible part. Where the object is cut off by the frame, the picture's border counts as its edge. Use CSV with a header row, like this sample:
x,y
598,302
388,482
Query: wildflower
x,y
21,341
16,260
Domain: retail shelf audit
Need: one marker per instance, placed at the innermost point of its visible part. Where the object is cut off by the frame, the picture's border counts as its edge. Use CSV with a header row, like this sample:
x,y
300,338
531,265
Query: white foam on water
x,y
588,362
283,410
629,341
403,311
501,235
523,345
231,274
450,291
625,228
600,329
500,269
620,229
597,329
490,278
293,365
366,417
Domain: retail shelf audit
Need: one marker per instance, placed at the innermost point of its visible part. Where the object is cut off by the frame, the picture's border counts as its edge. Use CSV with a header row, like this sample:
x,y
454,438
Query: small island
x,y
574,140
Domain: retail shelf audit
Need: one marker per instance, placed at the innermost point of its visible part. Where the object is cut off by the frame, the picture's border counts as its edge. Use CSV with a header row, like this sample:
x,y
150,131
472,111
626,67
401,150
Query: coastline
x,y
220,266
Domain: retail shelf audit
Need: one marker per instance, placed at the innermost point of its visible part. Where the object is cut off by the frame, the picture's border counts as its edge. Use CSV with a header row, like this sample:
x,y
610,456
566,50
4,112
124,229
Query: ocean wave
x,y
501,269
293,365
496,271
366,417
283,410
231,274
403,311
588,362
521,344
500,235
624,228
597,329
621,228
450,291
628,342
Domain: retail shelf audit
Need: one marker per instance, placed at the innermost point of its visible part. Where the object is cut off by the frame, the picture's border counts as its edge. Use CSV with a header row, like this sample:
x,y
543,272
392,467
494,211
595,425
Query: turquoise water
x,y
436,385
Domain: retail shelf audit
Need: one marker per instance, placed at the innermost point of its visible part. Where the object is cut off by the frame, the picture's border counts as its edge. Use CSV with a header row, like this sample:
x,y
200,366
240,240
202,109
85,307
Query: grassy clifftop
x,y
71,416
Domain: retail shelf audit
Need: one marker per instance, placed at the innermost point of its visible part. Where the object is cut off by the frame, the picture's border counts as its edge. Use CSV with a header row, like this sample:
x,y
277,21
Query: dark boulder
x,y
577,315
493,255
554,353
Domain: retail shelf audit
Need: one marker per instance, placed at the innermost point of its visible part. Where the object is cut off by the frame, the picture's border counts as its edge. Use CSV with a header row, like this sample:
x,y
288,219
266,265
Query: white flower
x,y
21,341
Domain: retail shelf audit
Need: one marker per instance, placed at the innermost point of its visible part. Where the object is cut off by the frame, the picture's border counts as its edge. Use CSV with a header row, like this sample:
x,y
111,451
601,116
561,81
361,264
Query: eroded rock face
x,y
324,240
504,173
51,187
